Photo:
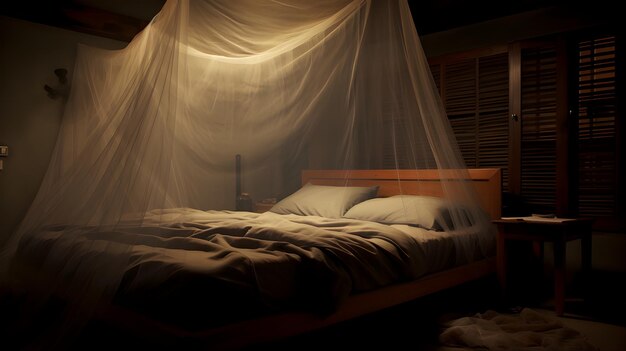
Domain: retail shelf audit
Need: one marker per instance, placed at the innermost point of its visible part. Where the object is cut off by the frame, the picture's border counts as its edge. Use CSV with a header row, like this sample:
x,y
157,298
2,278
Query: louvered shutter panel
x,y
538,131
477,101
461,103
597,111
493,111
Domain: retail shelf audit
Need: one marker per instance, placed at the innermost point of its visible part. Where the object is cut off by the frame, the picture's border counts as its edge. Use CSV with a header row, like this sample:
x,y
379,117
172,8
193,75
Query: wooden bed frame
x,y
487,182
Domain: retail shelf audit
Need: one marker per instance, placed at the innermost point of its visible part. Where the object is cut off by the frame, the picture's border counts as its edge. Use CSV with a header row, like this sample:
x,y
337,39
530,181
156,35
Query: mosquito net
x,y
287,85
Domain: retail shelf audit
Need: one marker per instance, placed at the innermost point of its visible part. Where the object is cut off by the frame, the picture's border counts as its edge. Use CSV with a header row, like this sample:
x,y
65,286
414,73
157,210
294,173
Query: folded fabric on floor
x,y
527,330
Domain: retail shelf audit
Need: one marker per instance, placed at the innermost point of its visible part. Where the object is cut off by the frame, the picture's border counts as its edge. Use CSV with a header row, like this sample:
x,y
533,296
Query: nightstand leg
x,y
559,276
585,243
538,250
501,263
538,253
586,253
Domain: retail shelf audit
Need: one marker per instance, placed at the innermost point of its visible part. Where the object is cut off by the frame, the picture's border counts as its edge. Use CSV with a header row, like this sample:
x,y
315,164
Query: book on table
x,y
539,218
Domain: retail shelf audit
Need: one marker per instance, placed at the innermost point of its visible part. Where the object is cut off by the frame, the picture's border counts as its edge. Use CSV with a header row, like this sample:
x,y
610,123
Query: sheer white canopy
x,y
288,85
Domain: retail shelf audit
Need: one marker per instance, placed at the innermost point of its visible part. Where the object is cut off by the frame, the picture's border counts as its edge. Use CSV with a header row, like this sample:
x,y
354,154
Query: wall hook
x,y
61,89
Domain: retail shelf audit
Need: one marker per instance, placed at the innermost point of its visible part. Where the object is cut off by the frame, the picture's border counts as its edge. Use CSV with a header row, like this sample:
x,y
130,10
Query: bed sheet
x,y
204,268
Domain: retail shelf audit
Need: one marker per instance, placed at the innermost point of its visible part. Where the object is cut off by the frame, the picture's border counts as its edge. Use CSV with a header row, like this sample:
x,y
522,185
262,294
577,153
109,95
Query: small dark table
x,y
559,232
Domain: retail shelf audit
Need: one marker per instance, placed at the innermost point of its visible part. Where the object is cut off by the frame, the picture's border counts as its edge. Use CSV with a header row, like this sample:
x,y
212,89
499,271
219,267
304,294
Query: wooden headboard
x,y
486,181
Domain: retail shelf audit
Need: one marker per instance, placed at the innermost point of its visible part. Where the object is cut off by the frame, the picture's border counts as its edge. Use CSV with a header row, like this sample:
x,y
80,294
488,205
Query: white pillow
x,y
423,211
323,200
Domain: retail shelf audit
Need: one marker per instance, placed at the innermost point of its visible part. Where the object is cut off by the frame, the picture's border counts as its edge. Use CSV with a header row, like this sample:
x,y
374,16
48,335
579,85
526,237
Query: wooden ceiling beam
x,y
76,17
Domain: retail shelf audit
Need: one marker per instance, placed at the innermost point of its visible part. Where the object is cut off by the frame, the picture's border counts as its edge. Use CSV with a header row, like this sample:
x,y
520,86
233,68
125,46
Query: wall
x,y
29,119
507,29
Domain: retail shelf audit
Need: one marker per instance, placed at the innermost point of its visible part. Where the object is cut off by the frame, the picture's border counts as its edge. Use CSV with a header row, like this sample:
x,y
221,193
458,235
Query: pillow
x,y
422,211
324,200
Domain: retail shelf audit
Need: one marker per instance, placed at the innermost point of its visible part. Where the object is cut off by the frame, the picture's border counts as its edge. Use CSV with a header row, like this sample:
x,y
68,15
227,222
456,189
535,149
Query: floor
x,y
416,325
605,336
419,323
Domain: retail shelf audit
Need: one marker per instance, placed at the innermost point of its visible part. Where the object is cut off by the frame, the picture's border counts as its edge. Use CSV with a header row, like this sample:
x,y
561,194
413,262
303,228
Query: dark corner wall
x,y
29,119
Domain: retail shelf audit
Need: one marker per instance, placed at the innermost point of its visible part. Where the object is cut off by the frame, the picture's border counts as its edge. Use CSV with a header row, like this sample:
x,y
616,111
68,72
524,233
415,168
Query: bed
x,y
189,304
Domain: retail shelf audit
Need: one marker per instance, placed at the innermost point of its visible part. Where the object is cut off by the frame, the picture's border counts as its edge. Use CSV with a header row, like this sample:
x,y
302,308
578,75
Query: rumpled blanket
x,y
527,330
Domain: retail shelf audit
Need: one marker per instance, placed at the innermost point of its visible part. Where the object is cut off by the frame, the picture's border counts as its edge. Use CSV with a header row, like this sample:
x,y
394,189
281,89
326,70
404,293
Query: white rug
x,y
527,330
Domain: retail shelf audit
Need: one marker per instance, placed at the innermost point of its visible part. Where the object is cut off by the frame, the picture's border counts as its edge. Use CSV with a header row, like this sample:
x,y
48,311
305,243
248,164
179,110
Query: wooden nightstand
x,y
539,231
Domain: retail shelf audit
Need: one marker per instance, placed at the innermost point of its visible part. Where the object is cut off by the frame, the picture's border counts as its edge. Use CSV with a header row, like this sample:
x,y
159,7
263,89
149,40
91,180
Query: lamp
x,y
4,152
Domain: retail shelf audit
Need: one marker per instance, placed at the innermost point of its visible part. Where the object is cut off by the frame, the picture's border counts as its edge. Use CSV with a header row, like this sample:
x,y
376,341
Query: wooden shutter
x,y
597,140
567,145
493,111
475,93
538,130
461,103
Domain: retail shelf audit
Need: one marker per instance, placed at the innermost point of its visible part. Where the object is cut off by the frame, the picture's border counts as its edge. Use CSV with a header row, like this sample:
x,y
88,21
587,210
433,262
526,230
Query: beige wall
x,y
29,120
